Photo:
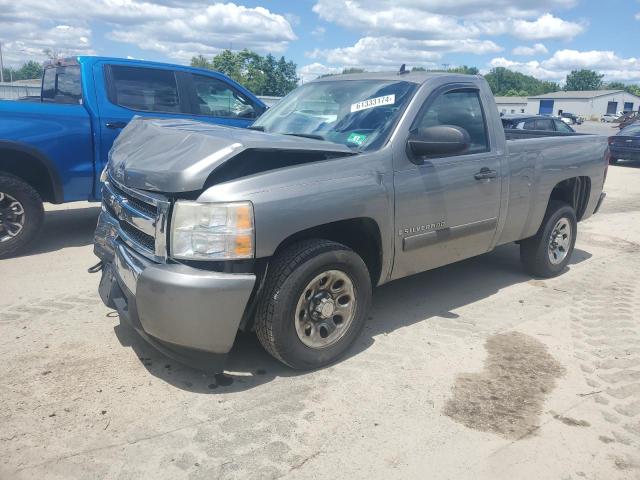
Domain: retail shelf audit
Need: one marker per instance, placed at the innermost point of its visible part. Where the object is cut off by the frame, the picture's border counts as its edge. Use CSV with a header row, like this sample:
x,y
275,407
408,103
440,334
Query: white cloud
x,y
385,52
638,16
537,49
31,43
314,70
533,68
562,62
318,32
547,26
459,19
177,29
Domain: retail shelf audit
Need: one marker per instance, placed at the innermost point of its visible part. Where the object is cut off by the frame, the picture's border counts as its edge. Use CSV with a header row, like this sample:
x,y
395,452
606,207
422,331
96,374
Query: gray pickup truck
x,y
347,183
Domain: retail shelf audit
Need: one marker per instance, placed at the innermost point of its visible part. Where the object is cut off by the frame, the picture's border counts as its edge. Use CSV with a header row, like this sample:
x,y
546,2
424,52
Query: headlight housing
x,y
212,231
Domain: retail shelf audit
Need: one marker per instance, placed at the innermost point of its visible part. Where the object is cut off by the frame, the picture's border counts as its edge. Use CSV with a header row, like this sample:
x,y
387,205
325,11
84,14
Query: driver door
x,y
446,209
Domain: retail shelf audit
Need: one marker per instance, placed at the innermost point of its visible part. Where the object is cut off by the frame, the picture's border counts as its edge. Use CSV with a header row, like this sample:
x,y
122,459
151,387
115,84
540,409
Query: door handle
x,y
115,125
485,174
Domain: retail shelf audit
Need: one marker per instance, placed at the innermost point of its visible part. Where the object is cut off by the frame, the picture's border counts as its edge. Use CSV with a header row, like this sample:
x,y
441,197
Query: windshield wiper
x,y
306,135
259,128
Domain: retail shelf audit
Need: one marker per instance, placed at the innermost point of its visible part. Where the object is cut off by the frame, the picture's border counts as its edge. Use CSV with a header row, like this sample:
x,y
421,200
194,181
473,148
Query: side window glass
x,y
562,127
529,125
460,108
214,97
62,85
145,89
544,124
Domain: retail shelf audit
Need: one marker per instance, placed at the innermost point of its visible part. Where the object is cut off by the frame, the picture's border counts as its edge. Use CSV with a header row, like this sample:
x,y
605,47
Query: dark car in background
x,y
626,144
535,122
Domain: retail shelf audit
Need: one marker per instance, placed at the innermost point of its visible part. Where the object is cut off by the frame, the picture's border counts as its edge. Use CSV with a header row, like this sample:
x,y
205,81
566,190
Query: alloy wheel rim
x,y
326,309
559,241
12,217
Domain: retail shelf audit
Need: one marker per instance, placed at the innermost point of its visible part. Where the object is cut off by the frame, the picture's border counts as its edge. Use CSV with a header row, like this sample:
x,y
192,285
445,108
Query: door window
x,y
62,85
544,124
562,127
145,89
460,108
216,98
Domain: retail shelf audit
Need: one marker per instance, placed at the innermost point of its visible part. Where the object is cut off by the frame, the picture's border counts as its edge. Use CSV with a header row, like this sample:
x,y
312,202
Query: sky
x,y
543,38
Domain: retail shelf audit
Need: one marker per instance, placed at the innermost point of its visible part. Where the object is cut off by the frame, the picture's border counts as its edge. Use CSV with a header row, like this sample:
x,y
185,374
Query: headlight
x,y
212,231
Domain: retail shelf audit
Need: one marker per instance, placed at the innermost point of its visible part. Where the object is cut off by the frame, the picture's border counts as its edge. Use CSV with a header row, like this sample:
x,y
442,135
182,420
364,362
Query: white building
x,y
508,105
588,104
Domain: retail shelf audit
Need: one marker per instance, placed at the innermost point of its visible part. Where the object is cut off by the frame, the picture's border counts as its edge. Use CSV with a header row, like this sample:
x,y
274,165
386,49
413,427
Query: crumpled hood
x,y
175,155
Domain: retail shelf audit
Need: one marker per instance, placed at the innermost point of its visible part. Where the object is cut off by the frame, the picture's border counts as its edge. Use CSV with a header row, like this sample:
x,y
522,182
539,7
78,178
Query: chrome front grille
x,y
142,218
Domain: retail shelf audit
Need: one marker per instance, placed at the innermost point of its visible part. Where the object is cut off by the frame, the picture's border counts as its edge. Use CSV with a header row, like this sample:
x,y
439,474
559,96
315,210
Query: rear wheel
x,y
21,215
314,305
548,252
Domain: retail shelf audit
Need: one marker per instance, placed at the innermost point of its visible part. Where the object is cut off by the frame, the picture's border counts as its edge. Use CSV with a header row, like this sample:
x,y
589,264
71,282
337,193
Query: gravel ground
x,y
471,371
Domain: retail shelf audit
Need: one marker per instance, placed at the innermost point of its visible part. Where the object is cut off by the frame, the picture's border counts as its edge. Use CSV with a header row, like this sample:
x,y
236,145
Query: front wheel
x,y
548,252
21,215
314,304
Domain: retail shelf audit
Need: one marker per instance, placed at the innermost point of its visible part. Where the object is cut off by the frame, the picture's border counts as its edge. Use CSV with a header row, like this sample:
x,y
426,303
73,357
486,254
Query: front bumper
x,y
173,306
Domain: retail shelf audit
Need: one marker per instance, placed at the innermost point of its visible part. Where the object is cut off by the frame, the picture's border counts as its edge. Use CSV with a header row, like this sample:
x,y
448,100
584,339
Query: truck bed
x,y
518,134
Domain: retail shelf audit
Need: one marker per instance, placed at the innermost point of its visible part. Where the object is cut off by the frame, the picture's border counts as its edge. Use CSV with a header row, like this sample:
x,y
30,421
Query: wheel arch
x,y
574,191
33,167
361,234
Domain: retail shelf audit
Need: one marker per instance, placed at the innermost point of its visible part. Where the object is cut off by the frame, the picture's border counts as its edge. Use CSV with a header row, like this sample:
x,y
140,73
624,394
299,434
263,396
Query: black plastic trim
x,y
445,234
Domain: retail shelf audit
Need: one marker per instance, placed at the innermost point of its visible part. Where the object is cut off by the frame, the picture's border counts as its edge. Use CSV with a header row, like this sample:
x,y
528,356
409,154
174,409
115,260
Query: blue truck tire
x,y
21,215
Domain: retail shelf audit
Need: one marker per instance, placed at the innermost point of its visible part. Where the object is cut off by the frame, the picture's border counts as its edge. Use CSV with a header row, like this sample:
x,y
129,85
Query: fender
x,y
54,177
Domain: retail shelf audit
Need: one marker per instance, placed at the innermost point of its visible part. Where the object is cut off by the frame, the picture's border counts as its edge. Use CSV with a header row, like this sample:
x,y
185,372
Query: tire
x,y
14,191
280,312
535,251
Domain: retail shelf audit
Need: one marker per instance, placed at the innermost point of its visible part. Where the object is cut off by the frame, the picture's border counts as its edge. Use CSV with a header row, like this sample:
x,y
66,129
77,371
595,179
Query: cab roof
x,y
413,77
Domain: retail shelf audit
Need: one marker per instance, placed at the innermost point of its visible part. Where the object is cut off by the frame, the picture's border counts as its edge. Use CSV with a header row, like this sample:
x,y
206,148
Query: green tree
x,y
353,70
583,80
504,81
264,75
633,89
465,70
418,69
29,70
615,86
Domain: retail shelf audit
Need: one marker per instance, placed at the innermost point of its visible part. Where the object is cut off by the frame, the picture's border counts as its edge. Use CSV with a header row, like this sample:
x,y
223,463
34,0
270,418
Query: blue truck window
x,y
217,99
145,89
62,85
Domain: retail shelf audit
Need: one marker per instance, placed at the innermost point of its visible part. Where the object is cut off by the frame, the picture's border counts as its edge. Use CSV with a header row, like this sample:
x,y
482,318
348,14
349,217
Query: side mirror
x,y
437,141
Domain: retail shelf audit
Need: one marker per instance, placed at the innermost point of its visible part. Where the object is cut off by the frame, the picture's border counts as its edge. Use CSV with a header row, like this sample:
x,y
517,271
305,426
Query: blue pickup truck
x,y
54,147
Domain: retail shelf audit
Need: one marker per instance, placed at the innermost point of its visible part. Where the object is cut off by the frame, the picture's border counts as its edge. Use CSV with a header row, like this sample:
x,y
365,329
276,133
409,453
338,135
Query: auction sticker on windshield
x,y
373,102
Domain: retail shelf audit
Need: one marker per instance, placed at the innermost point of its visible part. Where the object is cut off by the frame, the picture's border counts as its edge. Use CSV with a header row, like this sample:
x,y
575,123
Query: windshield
x,y
356,113
631,130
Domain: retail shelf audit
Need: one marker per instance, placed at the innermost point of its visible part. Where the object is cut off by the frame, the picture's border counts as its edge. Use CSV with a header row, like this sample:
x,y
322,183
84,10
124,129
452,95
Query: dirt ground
x,y
471,371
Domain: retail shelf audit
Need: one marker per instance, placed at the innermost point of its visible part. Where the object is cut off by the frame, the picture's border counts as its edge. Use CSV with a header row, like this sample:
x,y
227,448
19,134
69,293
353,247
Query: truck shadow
x,y
69,227
398,304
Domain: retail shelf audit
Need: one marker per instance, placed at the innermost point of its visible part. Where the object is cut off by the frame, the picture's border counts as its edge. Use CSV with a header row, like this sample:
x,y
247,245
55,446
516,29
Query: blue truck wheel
x,y
21,215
